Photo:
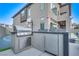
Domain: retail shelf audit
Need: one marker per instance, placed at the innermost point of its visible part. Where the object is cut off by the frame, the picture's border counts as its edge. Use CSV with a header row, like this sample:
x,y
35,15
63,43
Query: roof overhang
x,y
27,5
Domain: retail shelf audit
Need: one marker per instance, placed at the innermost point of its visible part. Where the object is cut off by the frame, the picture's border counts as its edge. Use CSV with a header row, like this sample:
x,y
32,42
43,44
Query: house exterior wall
x,y
17,21
66,16
51,14
37,14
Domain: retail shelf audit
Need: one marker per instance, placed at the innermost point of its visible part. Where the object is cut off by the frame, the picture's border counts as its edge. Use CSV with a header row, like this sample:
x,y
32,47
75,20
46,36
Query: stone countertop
x,y
50,32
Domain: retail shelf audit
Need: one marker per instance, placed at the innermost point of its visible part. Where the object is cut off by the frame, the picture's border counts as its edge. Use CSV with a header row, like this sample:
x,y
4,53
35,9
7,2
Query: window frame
x,y
23,16
42,26
42,23
52,7
42,6
28,12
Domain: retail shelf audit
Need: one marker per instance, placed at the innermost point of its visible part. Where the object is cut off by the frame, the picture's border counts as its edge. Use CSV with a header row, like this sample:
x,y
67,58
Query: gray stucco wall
x,y
36,15
65,17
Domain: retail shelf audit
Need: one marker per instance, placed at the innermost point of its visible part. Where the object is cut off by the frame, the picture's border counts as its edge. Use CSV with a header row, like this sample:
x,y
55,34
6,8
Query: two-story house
x,y
41,17
44,16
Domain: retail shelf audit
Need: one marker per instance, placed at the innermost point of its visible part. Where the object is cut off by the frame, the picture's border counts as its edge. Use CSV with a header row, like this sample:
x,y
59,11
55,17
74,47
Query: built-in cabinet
x,y
52,43
20,43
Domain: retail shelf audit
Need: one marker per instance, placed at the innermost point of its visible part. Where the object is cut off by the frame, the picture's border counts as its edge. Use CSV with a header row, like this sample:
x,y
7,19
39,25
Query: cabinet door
x,y
61,45
22,42
38,41
51,43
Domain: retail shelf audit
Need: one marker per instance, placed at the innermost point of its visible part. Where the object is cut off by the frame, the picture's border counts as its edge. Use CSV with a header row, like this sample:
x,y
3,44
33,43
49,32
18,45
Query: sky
x,y
75,12
7,10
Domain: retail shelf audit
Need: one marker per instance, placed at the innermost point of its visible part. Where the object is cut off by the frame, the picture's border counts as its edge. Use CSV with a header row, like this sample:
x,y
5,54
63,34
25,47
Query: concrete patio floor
x,y
73,51
29,52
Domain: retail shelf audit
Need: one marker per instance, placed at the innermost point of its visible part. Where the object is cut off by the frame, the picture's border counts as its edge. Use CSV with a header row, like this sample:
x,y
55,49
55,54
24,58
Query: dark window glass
x,y
23,15
54,10
42,26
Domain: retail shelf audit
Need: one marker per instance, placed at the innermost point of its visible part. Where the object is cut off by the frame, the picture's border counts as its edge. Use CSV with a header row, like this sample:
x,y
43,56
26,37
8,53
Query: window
x,y
23,15
53,8
42,26
42,6
22,12
42,9
42,23
62,24
52,5
51,26
29,12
